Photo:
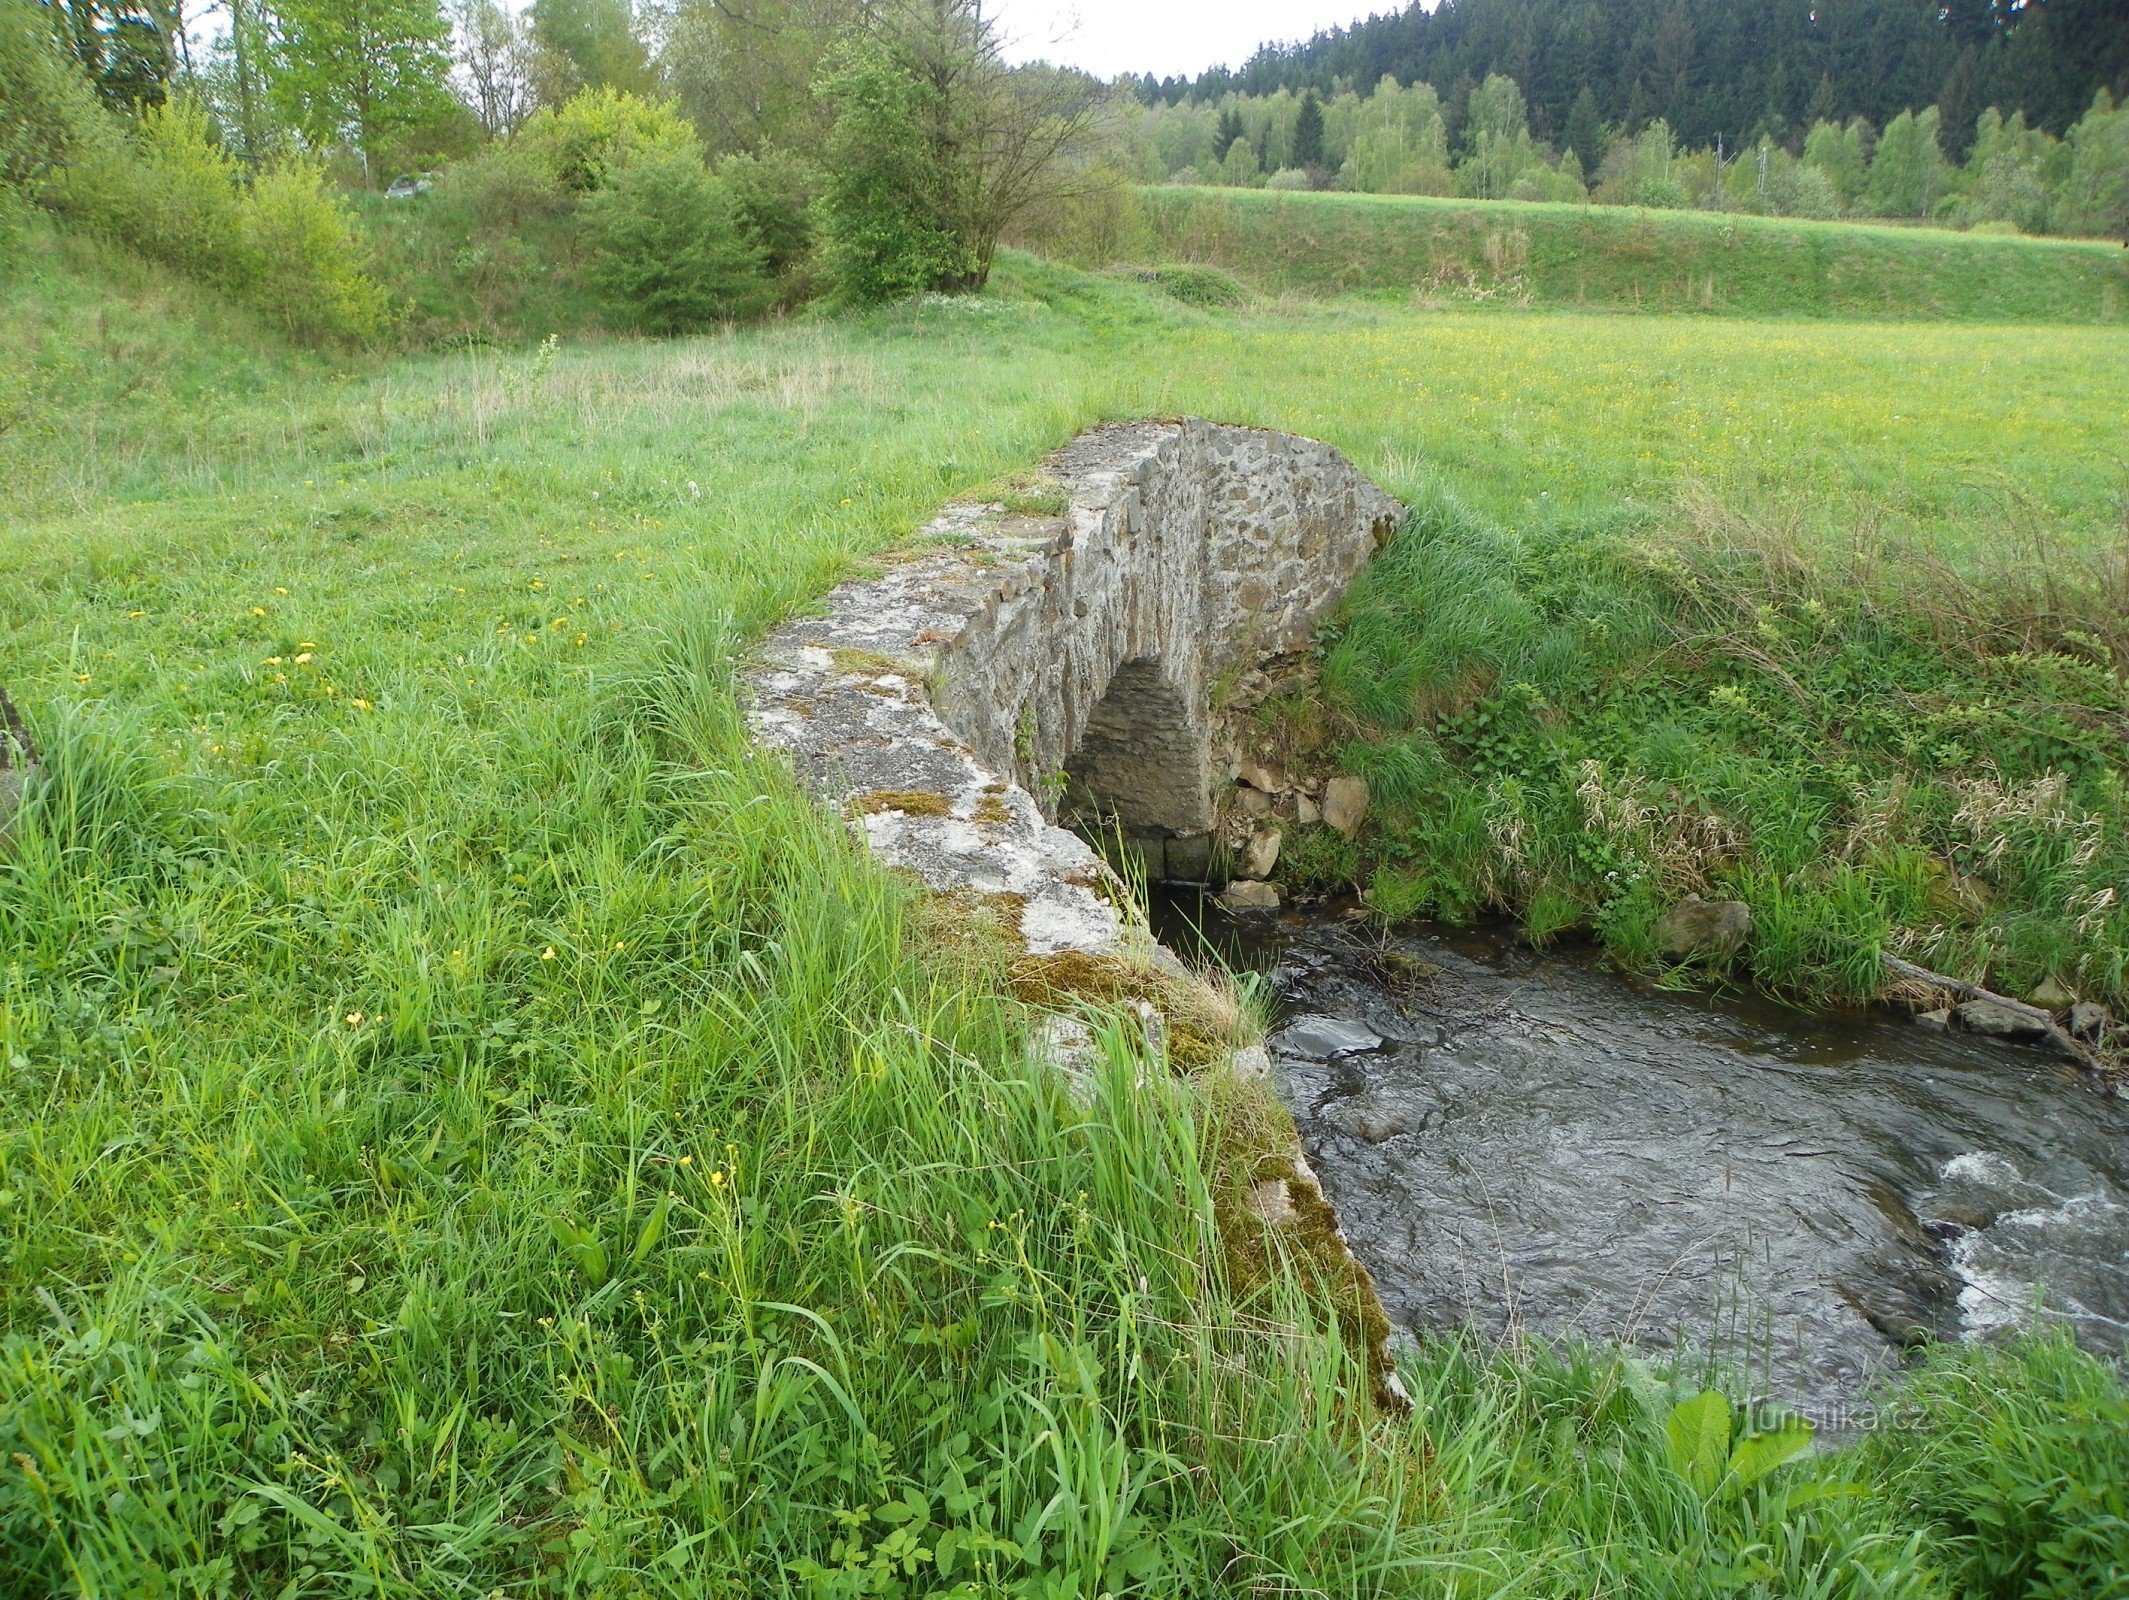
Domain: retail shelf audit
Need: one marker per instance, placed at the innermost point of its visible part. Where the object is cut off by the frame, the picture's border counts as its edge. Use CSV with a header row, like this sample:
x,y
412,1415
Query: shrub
x,y
308,259
1200,286
668,252
185,199
283,243
1289,178
772,194
887,224
587,141
502,190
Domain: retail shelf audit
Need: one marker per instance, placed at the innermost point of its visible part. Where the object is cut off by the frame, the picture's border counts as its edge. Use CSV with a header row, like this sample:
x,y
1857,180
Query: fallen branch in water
x,y
2044,1020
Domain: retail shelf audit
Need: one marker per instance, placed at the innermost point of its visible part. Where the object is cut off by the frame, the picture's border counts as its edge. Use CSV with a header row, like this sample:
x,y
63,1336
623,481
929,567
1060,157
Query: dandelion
x,y
304,658
135,616
717,1179
538,583
354,1019
688,1160
360,704
620,944
547,954
258,611
271,661
81,677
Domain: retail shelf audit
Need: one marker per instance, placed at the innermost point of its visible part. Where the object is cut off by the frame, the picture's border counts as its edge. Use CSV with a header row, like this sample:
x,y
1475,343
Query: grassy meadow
x,y
467,1127
1624,259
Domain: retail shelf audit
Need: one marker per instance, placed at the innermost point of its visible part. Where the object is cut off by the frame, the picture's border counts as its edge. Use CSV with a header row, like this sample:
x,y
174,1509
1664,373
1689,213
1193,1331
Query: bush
x,y
283,244
1200,286
184,198
1289,178
772,194
491,253
589,140
667,251
307,259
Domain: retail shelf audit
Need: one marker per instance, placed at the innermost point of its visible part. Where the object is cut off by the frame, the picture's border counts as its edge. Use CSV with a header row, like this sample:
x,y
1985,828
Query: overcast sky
x,y
1165,37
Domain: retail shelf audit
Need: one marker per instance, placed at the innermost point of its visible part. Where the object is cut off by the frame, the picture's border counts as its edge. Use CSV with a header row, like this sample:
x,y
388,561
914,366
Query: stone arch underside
x,y
1021,667
1142,762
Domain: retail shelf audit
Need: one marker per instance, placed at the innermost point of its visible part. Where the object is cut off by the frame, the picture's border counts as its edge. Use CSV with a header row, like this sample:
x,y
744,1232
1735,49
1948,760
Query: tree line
x,y
1733,72
699,164
1401,139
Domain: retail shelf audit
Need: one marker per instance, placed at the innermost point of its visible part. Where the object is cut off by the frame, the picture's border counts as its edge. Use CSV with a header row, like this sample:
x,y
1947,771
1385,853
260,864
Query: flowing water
x,y
1526,1141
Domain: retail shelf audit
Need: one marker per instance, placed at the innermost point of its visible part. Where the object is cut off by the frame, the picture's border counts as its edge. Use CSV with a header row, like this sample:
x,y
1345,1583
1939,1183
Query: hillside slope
x,y
1625,259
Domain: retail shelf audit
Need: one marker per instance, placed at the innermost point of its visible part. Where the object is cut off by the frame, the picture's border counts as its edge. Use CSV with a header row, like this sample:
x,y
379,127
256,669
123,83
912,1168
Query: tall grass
x,y
1586,722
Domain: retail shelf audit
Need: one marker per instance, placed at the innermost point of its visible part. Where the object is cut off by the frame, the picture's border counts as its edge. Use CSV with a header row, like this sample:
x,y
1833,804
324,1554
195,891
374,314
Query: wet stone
x,y
1316,1038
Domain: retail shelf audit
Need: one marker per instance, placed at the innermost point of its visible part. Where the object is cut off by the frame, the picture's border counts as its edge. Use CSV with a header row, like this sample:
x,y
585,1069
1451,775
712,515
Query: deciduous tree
x,y
364,74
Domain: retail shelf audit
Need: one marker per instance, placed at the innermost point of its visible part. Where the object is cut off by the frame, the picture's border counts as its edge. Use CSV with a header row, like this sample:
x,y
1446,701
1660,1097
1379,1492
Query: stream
x,y
1525,1141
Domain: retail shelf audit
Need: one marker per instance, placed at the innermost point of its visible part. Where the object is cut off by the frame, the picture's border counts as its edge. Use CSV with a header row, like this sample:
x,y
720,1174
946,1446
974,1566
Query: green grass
x,y
467,1126
1517,253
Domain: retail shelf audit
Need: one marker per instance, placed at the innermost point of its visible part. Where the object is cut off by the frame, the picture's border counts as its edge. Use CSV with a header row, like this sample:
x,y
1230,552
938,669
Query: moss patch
x,y
872,664
1250,1143
911,802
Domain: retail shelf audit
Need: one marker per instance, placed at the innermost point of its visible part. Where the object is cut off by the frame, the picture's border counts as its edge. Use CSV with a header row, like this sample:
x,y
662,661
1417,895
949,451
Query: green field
x,y
468,1127
1611,258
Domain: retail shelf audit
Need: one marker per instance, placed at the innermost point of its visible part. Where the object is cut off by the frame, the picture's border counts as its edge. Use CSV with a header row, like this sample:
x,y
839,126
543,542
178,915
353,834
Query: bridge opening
x,y
1140,781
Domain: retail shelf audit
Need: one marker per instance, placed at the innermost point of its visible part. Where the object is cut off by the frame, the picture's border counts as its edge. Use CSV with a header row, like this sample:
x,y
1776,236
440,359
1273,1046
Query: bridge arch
x,y
1054,659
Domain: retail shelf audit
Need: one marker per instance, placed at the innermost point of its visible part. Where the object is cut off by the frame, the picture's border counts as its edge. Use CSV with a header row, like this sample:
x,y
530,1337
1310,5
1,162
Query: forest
x,y
1716,70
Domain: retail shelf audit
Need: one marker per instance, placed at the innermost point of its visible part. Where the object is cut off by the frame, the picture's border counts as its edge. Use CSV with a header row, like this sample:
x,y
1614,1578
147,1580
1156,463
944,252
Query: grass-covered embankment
x,y
1878,750
466,1126
1620,259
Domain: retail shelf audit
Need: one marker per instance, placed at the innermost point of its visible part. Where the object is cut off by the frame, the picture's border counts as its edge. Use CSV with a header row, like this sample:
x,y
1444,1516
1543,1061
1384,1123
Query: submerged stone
x,y
1246,894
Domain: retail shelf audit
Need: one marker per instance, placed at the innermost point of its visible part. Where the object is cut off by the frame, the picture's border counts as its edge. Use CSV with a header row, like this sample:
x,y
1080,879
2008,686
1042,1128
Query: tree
x,y
1843,155
985,143
588,44
1308,134
1907,175
367,74
1228,131
885,209
126,48
745,70
494,58
2095,196
1496,137
1584,134
47,110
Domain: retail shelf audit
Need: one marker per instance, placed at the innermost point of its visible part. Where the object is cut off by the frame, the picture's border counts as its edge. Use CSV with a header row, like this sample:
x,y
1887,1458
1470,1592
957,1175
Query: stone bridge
x,y
1058,659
